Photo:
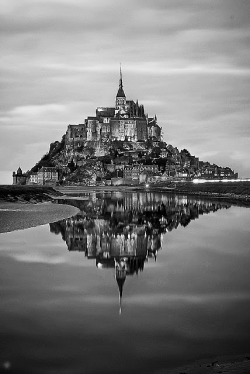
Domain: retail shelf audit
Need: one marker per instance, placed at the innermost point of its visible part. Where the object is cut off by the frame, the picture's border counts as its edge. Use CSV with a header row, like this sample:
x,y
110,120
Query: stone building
x,y
19,177
126,121
47,175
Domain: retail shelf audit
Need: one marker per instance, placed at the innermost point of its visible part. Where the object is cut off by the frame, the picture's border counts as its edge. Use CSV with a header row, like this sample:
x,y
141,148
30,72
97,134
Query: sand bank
x,y
18,216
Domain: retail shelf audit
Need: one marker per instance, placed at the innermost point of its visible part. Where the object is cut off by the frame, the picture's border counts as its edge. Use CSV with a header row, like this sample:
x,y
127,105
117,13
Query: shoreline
x,y
23,207
233,192
242,200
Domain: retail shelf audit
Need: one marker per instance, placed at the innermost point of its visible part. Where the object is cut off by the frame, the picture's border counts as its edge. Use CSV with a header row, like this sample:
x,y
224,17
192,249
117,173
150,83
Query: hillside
x,y
91,162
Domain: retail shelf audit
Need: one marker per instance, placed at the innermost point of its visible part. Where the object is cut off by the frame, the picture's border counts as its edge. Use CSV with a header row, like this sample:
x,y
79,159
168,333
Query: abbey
x,y
126,121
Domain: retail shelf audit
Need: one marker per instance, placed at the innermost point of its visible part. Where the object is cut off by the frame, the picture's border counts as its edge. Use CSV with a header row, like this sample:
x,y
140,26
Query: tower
x,y
120,103
19,177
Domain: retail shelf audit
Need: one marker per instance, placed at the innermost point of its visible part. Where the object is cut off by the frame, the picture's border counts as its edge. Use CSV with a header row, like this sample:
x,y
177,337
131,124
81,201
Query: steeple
x,y
120,92
120,81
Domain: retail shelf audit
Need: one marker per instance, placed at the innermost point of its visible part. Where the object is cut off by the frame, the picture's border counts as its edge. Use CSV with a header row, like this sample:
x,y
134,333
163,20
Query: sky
x,y
187,61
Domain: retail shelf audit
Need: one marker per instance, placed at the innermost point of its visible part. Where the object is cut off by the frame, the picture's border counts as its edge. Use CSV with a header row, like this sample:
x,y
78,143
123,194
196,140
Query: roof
x,y
90,117
47,168
105,109
120,92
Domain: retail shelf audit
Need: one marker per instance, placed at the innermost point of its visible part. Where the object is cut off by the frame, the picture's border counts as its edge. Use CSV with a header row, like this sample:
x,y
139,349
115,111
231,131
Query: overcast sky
x,y
186,60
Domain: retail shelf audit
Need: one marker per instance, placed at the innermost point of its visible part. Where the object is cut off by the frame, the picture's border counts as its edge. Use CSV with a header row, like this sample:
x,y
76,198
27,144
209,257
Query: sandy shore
x,y
18,216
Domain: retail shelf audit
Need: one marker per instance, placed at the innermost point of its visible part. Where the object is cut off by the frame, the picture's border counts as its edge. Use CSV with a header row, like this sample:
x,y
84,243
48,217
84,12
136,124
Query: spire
x,y
120,81
137,109
120,92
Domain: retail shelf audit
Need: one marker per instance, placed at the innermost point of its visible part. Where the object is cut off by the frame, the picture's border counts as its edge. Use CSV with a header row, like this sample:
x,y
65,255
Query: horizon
x,y
187,62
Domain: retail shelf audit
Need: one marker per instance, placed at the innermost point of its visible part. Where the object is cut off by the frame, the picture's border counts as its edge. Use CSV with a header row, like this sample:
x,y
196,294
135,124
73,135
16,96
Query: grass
x,y
235,188
26,193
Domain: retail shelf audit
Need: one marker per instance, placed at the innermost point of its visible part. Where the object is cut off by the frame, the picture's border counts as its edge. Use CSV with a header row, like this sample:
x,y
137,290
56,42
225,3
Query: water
x,y
134,283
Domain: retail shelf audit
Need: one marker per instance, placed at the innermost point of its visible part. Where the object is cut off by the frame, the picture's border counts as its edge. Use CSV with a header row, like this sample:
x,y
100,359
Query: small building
x,y
153,168
132,172
33,178
164,153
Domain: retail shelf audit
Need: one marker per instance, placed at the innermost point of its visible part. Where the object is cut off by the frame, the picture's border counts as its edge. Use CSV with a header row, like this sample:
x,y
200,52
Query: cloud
x,y
154,68
156,299
172,299
38,110
60,60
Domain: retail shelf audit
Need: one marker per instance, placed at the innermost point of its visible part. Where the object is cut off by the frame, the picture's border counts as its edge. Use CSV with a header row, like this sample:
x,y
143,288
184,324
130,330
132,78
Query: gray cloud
x,y
191,56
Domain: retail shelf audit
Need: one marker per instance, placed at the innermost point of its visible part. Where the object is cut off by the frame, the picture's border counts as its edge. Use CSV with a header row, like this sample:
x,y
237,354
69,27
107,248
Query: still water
x,y
136,282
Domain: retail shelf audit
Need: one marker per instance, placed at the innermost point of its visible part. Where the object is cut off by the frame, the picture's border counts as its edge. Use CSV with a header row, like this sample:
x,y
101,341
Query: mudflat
x,y
234,364
19,216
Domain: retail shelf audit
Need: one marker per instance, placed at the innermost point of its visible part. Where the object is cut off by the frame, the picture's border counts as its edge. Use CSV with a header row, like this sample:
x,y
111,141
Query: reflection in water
x,y
122,231
59,313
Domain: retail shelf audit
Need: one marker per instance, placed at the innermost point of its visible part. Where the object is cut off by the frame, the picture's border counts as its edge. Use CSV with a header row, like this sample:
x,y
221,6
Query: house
x,y
33,178
136,171
47,175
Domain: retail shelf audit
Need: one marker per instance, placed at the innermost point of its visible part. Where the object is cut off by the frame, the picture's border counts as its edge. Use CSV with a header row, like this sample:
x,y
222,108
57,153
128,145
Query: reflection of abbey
x,y
125,121
113,224
123,231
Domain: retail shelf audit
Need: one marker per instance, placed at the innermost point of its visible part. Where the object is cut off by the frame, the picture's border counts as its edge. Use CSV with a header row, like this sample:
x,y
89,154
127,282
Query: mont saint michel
x,y
124,187
120,145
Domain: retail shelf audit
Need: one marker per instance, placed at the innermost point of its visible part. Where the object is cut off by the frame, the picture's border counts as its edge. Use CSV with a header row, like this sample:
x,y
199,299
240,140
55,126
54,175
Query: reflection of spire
x,y
120,276
155,255
120,283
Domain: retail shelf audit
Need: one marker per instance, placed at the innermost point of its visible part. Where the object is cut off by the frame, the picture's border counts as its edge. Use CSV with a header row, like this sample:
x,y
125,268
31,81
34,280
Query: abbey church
x,y
126,121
